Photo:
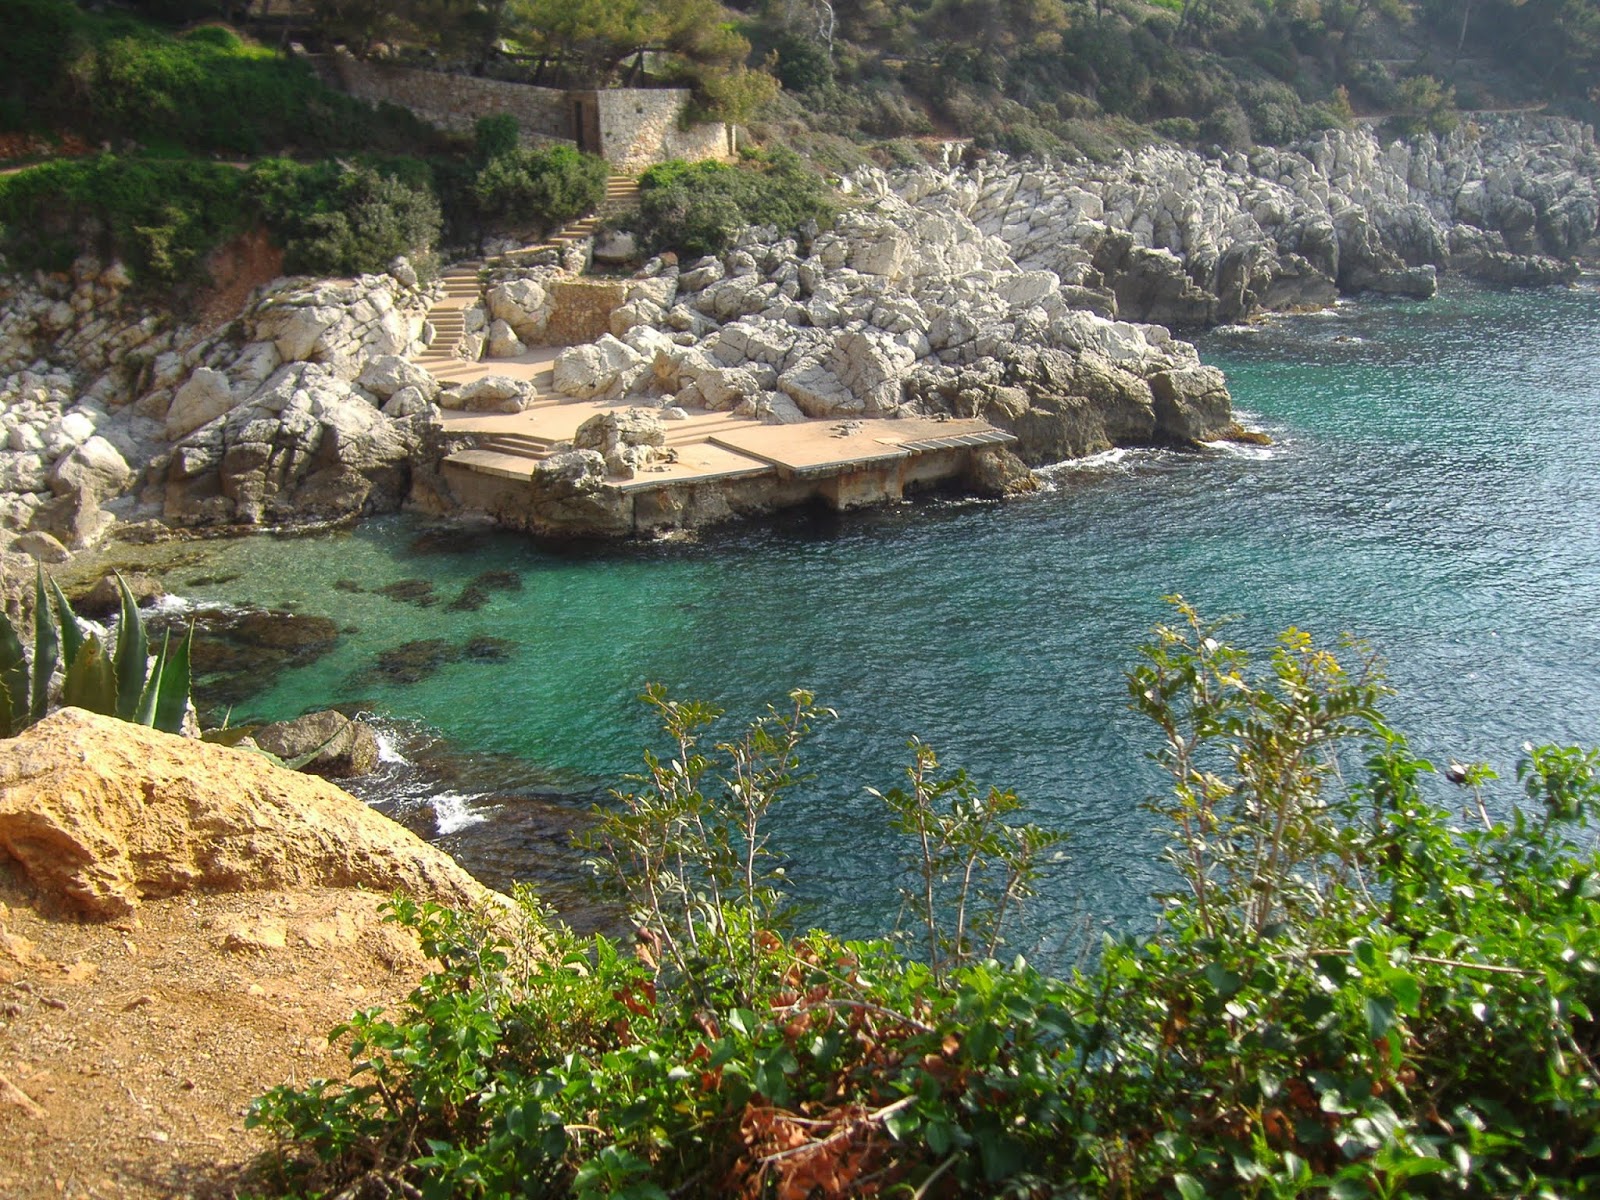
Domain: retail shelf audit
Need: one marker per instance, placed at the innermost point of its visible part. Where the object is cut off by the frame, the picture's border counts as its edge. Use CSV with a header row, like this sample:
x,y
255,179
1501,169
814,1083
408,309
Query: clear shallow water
x,y
1434,488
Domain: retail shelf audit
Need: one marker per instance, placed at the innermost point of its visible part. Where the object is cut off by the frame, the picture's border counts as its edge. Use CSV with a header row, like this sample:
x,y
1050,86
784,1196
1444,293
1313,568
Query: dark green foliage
x,y
38,42
698,208
1354,992
494,136
161,217
203,91
541,188
803,63
346,218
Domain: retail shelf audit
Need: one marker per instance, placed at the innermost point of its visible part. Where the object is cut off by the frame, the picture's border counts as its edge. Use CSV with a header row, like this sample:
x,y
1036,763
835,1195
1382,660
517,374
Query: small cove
x,y
1434,488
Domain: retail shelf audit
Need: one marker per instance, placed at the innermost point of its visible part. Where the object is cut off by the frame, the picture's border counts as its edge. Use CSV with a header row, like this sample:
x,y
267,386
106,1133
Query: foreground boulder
x,y
102,814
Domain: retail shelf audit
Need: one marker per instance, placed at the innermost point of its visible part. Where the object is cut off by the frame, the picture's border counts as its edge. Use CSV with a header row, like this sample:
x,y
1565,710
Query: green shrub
x,y
161,217
540,188
118,79
699,208
38,42
1178,129
495,135
1353,991
1020,141
1425,106
803,63
345,219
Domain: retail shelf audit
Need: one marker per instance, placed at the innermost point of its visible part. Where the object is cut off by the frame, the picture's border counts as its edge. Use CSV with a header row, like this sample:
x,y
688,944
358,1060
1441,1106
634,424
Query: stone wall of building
x,y
640,127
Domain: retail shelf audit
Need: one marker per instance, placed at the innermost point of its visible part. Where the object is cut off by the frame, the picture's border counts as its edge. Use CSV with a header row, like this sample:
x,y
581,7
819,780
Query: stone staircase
x,y
463,283
513,455
463,288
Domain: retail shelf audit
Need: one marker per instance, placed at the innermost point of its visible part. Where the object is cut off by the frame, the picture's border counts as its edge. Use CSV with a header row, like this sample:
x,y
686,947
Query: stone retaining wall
x,y
456,102
581,310
632,128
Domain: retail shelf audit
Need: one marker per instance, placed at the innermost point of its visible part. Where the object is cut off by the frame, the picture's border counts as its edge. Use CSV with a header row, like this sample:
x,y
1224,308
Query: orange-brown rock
x,y
103,813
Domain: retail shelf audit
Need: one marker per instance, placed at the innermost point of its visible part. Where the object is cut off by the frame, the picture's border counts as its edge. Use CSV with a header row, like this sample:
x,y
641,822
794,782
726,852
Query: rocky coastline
x,y
1040,298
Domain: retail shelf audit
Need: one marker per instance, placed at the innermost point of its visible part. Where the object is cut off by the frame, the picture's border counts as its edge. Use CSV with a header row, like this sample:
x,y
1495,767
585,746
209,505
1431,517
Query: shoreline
x,y
1037,299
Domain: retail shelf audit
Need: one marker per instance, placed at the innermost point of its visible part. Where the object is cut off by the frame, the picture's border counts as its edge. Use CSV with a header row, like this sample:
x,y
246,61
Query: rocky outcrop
x,y
102,814
901,309
1185,240
303,407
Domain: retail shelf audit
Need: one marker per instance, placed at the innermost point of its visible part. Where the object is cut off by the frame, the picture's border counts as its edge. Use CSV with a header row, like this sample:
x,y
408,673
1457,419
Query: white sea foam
x,y
1239,450
388,751
168,603
452,812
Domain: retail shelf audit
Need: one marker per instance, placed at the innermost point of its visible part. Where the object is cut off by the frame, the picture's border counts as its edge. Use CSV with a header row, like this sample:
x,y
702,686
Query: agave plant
x,y
121,682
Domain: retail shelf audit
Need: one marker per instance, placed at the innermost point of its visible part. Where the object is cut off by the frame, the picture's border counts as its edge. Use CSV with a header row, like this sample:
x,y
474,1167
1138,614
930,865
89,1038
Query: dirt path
x,y
132,1050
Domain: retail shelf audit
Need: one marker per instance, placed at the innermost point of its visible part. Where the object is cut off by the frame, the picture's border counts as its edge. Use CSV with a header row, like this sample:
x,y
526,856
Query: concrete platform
x,y
828,447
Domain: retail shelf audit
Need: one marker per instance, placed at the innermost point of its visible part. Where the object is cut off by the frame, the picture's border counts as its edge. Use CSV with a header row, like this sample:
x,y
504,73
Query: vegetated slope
x,y
1049,75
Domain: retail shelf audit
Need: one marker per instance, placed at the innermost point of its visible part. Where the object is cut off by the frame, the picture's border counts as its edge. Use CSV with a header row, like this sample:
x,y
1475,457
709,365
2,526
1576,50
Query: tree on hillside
x,y
599,42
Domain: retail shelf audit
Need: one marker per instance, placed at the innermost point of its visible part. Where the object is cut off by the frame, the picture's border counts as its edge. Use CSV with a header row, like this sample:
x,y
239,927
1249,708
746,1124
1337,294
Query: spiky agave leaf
x,y
172,697
132,661
145,712
13,678
91,682
71,631
46,647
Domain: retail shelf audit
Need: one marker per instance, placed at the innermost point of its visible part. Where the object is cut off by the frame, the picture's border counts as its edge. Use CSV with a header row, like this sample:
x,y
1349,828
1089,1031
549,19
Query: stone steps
x,y
702,429
524,445
463,283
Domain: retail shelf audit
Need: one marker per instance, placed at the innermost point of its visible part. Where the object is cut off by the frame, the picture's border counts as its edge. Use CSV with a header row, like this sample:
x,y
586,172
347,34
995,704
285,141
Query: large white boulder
x,y
389,373
94,469
205,397
586,371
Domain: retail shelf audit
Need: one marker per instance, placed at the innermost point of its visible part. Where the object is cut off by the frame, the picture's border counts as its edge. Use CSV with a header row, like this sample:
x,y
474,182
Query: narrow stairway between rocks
x,y
463,287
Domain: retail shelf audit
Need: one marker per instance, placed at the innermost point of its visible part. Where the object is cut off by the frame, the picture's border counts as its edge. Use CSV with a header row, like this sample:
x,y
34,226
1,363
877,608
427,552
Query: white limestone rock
x,y
205,397
389,374
94,469
492,393
503,341
587,371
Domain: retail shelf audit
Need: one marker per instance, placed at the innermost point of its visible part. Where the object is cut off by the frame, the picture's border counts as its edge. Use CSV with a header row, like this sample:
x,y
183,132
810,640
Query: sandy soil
x,y
129,1052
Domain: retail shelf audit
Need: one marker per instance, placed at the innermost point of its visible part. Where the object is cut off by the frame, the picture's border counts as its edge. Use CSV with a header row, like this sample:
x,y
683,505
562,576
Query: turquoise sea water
x,y
1434,488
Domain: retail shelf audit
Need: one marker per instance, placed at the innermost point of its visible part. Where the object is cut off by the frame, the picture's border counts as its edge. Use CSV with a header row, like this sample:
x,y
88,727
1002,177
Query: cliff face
x,y
109,410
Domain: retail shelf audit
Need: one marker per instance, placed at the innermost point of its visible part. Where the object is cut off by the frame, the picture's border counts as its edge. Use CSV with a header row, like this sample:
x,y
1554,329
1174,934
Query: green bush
x,y
699,208
38,42
1178,129
495,135
1353,991
161,217
115,78
541,188
345,219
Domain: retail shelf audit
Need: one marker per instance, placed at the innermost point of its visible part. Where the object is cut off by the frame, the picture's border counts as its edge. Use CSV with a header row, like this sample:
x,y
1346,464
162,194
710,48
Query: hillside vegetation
x,y
169,91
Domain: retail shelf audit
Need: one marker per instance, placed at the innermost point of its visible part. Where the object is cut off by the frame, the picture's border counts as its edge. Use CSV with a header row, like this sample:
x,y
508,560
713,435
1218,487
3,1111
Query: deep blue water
x,y
1434,488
